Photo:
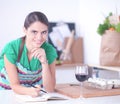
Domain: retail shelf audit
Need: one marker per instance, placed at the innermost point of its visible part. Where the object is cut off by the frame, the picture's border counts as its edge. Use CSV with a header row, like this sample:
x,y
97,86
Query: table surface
x,y
7,97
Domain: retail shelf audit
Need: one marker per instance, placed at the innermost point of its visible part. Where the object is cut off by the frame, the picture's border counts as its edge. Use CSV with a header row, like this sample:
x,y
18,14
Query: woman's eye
x,y
44,32
34,32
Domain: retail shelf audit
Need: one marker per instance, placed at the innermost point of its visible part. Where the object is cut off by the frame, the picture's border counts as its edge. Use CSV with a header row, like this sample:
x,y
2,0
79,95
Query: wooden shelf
x,y
111,68
67,65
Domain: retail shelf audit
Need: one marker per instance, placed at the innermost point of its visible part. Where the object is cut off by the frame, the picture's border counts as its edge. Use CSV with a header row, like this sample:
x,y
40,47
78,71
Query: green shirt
x,y
12,49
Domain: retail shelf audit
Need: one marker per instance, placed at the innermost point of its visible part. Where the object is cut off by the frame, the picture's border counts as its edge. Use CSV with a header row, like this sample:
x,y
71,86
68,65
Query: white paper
x,y
41,98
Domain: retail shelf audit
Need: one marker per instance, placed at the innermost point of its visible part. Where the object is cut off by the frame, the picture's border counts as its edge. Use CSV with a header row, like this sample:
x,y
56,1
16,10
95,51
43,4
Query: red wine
x,y
81,77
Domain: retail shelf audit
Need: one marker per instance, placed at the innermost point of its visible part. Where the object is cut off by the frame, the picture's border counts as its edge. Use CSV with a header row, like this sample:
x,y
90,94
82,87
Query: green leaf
x,y
117,27
101,28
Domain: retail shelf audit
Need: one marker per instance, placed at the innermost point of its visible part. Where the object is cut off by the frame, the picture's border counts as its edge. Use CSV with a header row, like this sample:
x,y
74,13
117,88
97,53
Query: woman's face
x,y
36,34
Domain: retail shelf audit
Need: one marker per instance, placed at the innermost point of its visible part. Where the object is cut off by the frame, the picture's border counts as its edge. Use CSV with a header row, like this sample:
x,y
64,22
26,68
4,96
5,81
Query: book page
x,y
42,97
56,96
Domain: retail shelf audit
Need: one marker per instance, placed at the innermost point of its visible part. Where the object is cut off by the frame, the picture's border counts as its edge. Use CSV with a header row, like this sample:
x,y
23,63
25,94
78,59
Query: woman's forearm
x,y
19,89
48,78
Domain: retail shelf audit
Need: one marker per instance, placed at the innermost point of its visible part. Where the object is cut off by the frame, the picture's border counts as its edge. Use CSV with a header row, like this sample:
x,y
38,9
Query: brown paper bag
x,y
110,49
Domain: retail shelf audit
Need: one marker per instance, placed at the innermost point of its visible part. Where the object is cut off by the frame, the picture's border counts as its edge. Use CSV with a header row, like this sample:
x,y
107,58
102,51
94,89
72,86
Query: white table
x,y
7,97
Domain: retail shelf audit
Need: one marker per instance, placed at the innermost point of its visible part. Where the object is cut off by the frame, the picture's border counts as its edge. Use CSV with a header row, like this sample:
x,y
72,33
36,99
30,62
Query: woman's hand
x,y
40,54
35,91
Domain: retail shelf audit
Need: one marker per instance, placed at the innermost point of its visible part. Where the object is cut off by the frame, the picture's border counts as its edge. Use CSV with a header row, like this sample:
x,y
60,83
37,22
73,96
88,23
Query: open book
x,y
42,97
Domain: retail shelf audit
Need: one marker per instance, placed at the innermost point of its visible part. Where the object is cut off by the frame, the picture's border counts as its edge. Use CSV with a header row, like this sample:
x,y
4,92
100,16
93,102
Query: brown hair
x,y
35,16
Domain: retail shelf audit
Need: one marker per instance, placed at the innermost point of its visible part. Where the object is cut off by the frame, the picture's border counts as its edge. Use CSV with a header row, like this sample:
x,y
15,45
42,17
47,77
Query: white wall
x,y
91,14
87,14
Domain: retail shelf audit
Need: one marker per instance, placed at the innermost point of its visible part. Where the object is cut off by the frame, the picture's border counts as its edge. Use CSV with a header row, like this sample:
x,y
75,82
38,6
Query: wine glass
x,y
81,74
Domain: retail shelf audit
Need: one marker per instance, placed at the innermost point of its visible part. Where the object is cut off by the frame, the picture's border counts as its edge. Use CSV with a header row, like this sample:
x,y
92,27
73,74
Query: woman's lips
x,y
38,42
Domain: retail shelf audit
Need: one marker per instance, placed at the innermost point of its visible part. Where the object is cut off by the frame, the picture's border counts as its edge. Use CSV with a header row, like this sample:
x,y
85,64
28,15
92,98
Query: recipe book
x,y
42,97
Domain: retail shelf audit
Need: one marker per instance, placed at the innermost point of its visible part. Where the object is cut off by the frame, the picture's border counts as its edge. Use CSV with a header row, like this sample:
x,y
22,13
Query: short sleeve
x,y
11,50
10,53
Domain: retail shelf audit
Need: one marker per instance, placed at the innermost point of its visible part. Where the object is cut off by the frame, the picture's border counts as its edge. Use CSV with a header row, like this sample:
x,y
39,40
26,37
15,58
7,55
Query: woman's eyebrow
x,y
45,31
34,30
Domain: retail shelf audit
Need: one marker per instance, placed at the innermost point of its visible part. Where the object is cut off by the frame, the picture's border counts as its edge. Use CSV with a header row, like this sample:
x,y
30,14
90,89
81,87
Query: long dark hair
x,y
35,16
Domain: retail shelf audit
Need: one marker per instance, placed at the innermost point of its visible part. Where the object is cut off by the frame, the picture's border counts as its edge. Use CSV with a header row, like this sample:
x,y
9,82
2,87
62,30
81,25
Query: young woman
x,y
36,65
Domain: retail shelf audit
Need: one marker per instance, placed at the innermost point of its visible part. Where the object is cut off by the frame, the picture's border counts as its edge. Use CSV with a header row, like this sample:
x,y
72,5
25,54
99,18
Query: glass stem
x,y
81,92
119,74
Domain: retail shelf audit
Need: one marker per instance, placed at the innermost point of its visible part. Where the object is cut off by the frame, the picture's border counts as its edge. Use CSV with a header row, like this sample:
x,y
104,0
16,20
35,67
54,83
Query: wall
x,y
91,14
13,14
86,14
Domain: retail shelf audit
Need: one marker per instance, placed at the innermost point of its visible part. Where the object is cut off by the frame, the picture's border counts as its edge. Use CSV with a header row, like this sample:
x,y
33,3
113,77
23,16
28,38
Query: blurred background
x,y
86,14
